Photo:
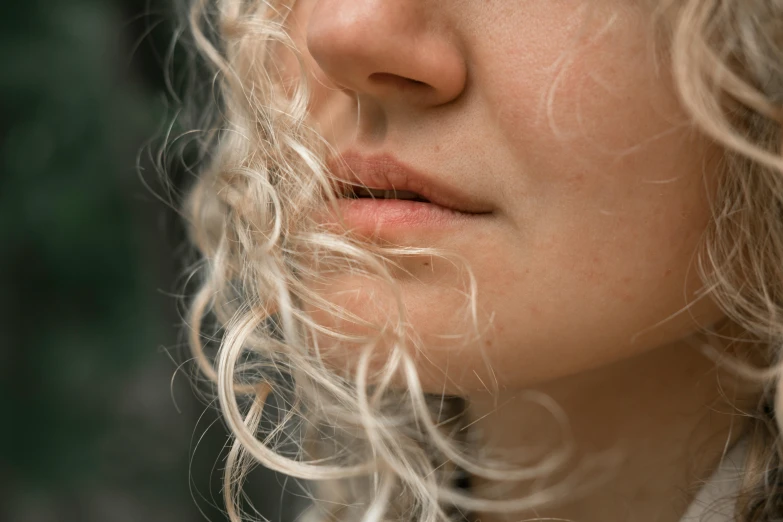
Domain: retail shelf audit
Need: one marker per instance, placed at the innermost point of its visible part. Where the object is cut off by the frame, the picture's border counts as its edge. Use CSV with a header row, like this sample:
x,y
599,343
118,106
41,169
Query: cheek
x,y
287,63
605,270
583,81
607,198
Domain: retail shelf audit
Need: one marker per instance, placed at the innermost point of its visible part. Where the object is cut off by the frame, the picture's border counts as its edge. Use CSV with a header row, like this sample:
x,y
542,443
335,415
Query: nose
x,y
386,49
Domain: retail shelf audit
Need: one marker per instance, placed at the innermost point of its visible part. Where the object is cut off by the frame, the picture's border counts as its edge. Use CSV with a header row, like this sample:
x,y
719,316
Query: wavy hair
x,y
377,447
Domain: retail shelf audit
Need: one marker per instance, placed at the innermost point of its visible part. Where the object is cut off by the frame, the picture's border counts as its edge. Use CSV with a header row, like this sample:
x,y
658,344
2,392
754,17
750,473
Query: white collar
x,y
716,500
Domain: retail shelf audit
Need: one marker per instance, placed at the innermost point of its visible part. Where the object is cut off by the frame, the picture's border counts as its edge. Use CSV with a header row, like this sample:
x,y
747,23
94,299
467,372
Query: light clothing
x,y
715,501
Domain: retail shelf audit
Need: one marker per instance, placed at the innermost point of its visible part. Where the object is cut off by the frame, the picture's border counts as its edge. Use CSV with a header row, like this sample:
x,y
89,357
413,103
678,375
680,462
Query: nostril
x,y
394,80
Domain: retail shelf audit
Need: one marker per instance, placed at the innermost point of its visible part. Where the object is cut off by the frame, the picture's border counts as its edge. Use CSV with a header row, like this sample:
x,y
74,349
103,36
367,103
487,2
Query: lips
x,y
356,173
379,197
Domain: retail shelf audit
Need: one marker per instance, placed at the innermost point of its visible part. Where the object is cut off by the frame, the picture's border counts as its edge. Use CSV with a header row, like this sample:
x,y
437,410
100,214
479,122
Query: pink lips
x,y
446,206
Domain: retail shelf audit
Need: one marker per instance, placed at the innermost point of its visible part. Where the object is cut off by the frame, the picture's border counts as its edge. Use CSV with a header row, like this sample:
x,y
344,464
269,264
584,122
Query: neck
x,y
659,419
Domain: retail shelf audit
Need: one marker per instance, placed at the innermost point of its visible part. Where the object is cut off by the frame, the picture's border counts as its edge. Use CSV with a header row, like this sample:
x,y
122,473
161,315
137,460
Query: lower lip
x,y
377,217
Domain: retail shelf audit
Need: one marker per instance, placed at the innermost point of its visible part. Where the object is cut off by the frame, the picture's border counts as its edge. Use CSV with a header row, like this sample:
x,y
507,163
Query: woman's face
x,y
556,119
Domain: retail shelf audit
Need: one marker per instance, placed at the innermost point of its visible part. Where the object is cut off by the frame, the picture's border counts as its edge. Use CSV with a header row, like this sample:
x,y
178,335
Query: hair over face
x,y
381,447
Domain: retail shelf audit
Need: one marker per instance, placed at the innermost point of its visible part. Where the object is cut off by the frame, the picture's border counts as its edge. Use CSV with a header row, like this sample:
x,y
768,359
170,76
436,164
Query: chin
x,y
515,339
431,316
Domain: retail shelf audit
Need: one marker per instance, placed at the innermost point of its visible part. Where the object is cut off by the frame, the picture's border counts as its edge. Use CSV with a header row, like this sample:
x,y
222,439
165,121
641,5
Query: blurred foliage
x,y
91,429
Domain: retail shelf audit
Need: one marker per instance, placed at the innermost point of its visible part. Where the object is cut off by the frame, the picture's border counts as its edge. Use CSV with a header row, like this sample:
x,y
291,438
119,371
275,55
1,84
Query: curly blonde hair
x,y
380,453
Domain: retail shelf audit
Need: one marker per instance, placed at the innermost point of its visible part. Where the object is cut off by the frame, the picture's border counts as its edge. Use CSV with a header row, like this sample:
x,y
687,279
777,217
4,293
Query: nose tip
x,y
386,50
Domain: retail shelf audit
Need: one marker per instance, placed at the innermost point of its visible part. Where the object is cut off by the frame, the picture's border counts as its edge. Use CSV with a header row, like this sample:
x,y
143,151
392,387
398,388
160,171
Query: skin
x,y
560,116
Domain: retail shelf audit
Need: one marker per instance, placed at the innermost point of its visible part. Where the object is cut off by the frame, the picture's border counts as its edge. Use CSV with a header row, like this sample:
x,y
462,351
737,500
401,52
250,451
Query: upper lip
x,y
384,171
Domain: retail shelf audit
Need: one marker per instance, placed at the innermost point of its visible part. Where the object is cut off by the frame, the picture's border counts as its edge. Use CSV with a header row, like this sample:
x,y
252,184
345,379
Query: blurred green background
x,y
96,424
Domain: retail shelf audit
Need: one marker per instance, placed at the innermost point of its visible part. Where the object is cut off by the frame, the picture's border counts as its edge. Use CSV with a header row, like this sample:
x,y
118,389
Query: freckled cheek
x,y
605,100
605,260
578,130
